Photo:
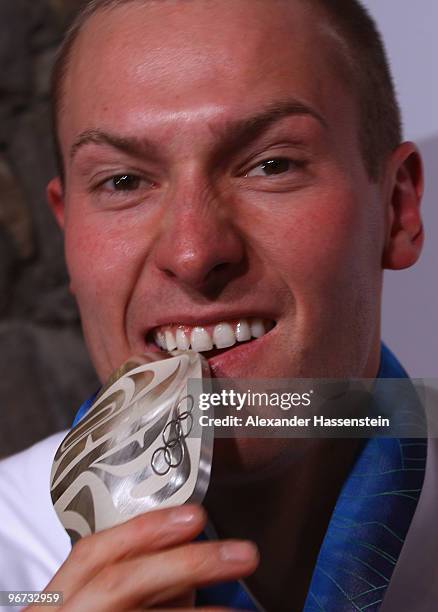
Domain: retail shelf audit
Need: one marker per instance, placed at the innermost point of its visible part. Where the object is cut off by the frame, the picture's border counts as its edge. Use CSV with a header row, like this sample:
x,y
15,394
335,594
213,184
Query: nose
x,y
199,245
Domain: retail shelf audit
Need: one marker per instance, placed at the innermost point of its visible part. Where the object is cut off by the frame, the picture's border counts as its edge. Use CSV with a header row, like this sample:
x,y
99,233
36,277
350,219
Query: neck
x,y
294,496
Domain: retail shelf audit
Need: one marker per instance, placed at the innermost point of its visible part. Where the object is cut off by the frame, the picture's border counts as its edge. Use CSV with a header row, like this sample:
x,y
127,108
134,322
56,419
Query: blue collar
x,y
367,528
366,531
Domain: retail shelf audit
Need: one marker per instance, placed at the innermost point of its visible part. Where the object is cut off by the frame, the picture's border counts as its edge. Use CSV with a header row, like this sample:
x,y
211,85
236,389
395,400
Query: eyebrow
x,y
232,135
137,147
238,134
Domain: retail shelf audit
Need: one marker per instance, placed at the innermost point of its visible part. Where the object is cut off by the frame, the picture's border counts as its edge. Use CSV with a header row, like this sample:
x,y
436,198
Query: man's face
x,y
213,175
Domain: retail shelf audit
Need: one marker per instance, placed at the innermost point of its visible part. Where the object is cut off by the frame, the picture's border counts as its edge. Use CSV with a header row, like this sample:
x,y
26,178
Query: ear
x,y
404,189
55,197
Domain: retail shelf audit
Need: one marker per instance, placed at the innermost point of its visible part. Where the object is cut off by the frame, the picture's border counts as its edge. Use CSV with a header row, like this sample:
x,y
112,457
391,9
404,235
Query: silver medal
x,y
140,446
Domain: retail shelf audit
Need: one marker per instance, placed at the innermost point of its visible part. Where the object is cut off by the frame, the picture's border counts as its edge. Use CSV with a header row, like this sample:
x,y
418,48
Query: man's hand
x,y
148,562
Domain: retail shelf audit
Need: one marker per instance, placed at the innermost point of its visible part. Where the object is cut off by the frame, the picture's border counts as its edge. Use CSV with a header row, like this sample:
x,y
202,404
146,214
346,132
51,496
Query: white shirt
x,y
33,543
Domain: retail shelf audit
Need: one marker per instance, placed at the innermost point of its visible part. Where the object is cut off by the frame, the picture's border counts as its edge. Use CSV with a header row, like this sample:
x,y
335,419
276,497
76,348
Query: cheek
x,y
325,245
104,253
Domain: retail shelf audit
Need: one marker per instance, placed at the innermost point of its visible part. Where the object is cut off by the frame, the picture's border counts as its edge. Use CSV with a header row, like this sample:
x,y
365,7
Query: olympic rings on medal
x,y
172,453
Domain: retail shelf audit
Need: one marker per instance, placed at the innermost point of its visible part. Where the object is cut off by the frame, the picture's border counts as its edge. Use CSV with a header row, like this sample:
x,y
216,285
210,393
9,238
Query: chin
x,y
240,461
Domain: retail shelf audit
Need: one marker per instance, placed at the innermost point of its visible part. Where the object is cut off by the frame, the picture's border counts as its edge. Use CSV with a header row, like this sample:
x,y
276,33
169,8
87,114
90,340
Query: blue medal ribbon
x,y
367,529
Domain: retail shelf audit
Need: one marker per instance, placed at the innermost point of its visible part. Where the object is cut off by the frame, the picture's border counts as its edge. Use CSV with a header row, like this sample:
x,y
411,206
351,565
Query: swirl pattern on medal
x,y
127,455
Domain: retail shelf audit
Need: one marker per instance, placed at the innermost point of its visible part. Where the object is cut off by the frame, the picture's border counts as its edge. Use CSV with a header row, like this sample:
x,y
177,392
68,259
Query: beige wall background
x,y
410,304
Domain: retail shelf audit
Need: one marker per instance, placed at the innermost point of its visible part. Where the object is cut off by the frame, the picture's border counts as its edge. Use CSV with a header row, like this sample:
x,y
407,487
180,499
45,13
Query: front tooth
x,y
200,339
169,340
243,331
223,335
257,328
160,339
157,339
182,340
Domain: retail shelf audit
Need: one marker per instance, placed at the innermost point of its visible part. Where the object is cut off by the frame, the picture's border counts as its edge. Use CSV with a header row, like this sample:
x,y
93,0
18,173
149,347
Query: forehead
x,y
149,59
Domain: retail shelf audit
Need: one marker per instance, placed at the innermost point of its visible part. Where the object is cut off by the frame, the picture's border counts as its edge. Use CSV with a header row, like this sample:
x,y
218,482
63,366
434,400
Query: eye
x,y
274,167
123,182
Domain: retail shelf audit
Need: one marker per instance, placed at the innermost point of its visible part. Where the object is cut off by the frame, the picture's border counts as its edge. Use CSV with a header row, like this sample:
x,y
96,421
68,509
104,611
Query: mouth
x,y
212,339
